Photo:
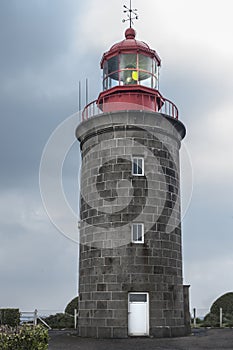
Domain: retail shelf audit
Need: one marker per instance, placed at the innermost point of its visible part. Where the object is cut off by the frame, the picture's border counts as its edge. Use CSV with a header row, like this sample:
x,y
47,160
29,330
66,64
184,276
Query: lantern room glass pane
x,y
111,74
113,67
155,73
128,69
146,71
145,65
111,81
128,61
105,73
155,68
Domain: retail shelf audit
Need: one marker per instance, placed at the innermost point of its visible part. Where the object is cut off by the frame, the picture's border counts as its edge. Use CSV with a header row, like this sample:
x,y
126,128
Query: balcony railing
x,y
91,110
168,108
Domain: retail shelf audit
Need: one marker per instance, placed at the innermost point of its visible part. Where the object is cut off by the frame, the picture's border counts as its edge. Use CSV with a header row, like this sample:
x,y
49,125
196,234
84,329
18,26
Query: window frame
x,y
132,232
133,162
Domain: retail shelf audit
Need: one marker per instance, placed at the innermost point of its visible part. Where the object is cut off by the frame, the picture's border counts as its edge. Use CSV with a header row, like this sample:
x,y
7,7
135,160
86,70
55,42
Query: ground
x,y
200,339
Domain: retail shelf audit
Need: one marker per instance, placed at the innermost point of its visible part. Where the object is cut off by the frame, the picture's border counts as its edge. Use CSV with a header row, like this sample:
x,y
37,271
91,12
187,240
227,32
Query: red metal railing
x,y
170,109
92,109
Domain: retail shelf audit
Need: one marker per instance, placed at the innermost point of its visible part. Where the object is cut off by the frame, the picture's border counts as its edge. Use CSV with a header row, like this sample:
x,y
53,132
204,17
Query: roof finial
x,y
130,13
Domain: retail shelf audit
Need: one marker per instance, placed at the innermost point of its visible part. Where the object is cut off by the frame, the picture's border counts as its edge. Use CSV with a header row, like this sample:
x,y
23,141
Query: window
x,y
138,166
137,298
138,233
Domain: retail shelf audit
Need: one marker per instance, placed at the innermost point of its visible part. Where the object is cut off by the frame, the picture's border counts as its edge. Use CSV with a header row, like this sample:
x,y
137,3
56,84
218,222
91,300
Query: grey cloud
x,y
38,265
196,92
34,32
39,80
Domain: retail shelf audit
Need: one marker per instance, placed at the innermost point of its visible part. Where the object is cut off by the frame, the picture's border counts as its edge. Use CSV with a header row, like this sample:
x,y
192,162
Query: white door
x,y
138,311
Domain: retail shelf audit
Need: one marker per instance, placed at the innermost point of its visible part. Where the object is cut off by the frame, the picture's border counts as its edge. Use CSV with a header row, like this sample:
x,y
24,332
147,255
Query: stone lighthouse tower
x,y
130,231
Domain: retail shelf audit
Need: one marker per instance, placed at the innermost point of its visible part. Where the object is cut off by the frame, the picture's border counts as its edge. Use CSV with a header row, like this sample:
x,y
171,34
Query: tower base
x,y
122,332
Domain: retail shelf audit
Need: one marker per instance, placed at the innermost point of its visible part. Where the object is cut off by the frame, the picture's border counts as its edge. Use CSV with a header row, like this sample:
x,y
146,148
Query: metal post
x,y
78,258
35,317
194,318
75,318
220,317
79,96
86,91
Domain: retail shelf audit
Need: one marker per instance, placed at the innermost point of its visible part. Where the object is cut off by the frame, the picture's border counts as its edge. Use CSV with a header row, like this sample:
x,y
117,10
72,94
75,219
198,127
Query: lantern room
x,y
130,62
130,76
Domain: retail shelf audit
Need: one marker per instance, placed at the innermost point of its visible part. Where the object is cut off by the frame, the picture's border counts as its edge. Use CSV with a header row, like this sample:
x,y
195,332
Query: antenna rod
x,y
79,96
86,91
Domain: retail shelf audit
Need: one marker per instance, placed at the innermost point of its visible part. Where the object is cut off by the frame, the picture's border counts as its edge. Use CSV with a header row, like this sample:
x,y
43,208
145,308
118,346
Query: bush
x,y
10,317
198,321
63,320
73,304
60,321
228,320
211,320
225,302
23,338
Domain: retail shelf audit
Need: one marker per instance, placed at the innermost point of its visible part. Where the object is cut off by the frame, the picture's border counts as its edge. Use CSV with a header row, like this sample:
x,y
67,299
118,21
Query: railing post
x,y
35,317
75,318
220,317
194,318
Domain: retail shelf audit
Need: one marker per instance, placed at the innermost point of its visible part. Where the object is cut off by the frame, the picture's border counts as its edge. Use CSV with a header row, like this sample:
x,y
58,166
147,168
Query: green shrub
x,y
63,320
73,304
198,321
10,317
228,320
225,302
211,320
23,338
60,321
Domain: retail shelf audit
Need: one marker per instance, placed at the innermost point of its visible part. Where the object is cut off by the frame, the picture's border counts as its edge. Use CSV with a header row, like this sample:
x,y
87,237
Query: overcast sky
x,y
46,48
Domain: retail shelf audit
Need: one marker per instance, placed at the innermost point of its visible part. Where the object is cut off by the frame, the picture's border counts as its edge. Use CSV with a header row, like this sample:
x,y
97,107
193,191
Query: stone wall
x,y
112,199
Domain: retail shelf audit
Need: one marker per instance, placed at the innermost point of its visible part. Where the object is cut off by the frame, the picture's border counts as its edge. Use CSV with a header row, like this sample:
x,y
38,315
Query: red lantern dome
x,y
130,76
130,80
129,44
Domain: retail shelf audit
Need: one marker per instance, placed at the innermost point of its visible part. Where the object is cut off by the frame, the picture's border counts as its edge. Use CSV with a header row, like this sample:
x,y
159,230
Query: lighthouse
x,y
130,277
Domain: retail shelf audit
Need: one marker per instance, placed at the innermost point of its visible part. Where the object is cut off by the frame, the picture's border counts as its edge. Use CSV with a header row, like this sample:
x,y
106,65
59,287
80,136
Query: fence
x,y
28,317
33,317
219,319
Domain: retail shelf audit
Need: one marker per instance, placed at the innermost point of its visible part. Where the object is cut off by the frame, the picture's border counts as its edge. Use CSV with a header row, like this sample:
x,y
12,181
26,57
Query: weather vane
x,y
131,14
